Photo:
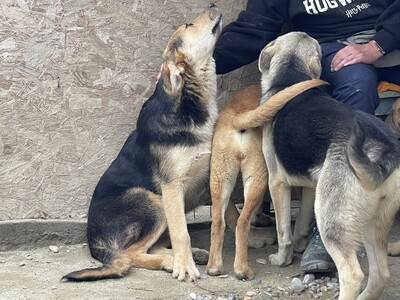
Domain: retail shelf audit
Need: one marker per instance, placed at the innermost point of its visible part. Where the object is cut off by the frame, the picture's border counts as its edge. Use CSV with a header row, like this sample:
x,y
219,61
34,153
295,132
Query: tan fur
x,y
393,119
394,249
363,216
237,151
179,171
233,152
267,111
187,167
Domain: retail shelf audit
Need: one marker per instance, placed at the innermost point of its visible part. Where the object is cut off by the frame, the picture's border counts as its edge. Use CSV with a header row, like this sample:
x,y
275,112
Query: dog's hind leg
x,y
375,245
145,253
375,242
339,223
280,194
255,185
222,181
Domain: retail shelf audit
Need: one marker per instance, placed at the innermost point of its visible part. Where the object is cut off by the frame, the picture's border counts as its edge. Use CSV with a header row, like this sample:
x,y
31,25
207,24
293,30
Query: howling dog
x,y
162,170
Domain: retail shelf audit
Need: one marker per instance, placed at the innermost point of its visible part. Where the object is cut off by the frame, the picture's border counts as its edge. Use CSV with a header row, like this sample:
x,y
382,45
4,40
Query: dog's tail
x,y
371,170
116,268
267,111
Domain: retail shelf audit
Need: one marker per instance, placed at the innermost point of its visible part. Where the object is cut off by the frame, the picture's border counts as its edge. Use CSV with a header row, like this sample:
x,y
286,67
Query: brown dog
x,y
234,152
393,119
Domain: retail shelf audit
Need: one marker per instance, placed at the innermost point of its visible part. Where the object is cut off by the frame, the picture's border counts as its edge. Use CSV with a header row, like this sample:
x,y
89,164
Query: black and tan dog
x,y
351,158
163,168
237,152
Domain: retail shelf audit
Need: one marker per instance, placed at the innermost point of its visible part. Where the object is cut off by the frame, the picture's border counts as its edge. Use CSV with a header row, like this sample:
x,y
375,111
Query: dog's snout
x,y
211,5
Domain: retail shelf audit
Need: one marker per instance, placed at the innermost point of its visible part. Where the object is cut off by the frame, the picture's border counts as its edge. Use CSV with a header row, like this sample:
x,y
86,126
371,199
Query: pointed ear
x,y
173,80
314,64
264,61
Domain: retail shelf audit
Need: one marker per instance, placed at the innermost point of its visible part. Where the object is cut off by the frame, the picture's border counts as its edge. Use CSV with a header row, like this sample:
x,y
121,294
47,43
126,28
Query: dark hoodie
x,y
325,20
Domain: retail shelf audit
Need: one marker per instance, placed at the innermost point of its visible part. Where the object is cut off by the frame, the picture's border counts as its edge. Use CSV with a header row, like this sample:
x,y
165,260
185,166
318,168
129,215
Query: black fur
x,y
312,122
162,121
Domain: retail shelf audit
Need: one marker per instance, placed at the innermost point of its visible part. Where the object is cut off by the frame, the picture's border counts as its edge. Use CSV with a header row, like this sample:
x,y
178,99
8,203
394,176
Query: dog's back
x,y
313,122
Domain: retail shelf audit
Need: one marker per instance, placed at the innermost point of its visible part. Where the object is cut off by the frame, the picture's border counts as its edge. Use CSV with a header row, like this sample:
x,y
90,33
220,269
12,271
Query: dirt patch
x,y
35,274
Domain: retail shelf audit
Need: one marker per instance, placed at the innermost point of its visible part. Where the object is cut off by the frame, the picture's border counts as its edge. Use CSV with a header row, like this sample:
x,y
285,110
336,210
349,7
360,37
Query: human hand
x,y
356,53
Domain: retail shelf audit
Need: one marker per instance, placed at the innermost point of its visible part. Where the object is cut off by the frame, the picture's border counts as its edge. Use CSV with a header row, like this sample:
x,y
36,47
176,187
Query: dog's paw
x,y
168,263
279,260
261,236
215,270
200,256
185,271
244,273
262,220
394,249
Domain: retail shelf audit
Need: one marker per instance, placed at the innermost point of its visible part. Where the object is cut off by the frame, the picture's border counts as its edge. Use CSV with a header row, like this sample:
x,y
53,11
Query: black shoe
x,y
315,258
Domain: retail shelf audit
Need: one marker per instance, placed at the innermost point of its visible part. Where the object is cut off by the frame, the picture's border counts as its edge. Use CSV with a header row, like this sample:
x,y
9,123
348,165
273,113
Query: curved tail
x,y
117,268
371,173
267,111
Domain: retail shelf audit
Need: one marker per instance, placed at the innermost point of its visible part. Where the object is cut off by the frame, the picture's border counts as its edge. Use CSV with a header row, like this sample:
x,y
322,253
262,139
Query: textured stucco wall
x,y
73,76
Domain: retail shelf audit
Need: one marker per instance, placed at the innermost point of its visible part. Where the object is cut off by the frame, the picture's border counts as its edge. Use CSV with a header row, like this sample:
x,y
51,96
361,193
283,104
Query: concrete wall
x,y
73,76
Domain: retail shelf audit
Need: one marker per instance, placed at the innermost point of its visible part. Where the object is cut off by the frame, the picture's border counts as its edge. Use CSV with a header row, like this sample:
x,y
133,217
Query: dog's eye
x,y
189,24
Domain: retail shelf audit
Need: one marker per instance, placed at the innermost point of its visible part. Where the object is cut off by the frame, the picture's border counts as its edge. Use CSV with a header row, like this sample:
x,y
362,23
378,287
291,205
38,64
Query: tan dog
x,y
234,152
393,119
351,158
162,170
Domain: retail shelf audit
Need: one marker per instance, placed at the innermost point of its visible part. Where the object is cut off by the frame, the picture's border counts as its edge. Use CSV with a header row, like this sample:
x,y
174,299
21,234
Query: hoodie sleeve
x,y
387,27
241,41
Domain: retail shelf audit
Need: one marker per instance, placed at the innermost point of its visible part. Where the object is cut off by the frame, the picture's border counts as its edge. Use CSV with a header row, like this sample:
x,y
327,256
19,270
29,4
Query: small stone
x,y
251,293
28,257
22,264
324,289
308,278
223,276
261,261
54,249
193,296
296,285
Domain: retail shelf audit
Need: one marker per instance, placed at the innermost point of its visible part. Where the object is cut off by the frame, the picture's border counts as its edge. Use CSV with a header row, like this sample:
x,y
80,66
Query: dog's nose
x,y
211,5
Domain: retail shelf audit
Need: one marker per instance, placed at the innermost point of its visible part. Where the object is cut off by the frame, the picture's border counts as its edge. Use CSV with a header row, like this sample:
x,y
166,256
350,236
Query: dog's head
x,y
190,47
295,50
393,120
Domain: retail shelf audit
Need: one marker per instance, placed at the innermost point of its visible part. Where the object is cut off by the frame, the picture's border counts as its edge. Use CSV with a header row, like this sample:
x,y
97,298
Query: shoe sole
x,y
318,266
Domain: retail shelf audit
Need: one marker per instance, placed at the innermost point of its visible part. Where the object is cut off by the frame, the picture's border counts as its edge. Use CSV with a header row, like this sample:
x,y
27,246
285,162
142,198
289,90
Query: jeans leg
x,y
355,85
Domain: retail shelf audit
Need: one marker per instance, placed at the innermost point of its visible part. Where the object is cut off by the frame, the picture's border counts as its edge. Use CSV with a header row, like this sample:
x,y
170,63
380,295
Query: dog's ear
x,y
173,79
396,111
314,65
264,61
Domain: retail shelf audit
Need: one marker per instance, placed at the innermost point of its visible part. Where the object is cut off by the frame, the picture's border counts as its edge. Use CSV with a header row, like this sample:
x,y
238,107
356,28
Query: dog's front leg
x,y
173,197
280,194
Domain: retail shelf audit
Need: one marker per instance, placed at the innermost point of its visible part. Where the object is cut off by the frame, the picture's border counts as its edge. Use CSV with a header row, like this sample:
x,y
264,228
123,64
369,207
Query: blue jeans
x,y
355,85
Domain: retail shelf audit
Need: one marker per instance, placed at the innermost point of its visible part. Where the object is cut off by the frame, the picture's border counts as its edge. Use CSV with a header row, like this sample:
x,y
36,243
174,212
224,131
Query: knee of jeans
x,y
366,100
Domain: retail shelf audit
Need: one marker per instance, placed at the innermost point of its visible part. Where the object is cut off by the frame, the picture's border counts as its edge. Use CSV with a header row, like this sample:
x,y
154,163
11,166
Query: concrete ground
x,y
34,271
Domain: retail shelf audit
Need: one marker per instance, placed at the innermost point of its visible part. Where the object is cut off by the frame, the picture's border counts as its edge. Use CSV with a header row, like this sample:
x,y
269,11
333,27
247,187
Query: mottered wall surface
x,y
73,77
